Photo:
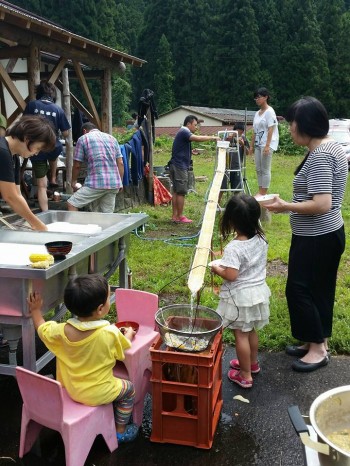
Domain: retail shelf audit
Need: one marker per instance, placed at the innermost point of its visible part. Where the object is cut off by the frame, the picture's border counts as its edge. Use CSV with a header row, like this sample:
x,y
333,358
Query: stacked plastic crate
x,y
186,394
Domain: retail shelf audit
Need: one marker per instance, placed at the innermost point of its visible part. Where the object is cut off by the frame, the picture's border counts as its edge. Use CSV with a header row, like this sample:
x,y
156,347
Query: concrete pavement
x,y
255,433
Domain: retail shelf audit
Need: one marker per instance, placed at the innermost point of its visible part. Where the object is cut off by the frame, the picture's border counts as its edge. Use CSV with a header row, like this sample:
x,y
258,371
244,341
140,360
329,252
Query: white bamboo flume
x,y
200,260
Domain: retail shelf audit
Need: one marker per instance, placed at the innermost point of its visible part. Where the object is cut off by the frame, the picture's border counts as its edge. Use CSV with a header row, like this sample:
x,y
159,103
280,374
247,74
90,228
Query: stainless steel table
x,y
101,253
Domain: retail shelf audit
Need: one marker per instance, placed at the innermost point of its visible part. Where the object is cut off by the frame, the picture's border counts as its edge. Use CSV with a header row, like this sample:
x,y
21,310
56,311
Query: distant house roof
x,y
223,115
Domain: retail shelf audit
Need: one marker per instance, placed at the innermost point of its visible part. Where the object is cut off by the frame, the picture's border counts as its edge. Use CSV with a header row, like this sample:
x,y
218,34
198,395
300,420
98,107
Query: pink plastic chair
x,y
140,307
46,403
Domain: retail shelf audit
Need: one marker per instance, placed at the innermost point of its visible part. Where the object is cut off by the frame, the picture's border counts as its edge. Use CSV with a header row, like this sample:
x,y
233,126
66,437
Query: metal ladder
x,y
234,164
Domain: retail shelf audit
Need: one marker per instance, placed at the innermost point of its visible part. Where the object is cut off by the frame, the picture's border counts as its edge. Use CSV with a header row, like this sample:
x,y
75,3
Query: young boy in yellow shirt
x,y
87,347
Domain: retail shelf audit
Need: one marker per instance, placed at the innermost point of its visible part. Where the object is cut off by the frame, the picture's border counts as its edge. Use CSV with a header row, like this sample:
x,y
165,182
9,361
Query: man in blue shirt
x,y
45,106
180,163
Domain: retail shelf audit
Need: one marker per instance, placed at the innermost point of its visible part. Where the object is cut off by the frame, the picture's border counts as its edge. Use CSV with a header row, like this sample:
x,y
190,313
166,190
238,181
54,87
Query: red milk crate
x,y
186,394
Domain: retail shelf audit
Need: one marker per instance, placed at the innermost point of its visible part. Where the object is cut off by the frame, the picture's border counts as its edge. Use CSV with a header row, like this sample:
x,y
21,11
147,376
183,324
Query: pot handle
x,y
297,420
303,431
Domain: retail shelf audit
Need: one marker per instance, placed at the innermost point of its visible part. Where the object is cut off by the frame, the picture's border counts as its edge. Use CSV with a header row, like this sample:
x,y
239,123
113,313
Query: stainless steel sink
x,y
100,253
82,218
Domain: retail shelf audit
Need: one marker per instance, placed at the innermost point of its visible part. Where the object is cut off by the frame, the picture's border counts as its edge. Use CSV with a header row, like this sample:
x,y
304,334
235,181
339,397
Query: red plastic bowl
x,y
127,323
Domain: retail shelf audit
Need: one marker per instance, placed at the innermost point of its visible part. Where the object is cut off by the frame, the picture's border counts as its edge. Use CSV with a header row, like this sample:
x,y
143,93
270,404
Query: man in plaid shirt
x,y
105,170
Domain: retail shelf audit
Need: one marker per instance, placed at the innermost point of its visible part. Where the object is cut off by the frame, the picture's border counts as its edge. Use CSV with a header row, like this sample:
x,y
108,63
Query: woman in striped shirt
x,y
318,238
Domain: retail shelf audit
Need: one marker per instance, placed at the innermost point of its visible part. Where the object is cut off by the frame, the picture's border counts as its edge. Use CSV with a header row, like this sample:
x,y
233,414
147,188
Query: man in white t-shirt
x,y
265,139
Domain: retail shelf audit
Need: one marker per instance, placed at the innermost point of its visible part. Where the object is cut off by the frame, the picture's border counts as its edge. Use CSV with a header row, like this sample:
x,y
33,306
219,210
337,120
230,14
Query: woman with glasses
x,y
265,138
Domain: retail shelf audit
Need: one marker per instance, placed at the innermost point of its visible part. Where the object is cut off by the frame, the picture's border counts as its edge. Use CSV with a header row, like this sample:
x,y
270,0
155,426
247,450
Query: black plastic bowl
x,y
59,249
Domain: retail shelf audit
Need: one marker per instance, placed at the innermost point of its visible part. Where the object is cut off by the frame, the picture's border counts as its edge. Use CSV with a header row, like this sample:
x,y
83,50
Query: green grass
x,y
161,266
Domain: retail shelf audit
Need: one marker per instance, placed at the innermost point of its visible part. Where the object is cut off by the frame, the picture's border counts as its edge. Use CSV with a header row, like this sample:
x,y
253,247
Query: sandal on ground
x,y
184,219
129,435
254,368
235,376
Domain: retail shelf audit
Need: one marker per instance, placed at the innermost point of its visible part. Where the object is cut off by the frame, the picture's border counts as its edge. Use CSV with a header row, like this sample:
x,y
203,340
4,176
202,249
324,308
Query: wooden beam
x,y
53,76
2,101
77,103
86,92
89,74
75,50
13,91
10,65
17,51
16,113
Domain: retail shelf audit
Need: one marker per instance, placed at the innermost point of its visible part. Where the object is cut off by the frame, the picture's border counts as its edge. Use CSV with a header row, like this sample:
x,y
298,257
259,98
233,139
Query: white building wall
x,y
177,117
22,85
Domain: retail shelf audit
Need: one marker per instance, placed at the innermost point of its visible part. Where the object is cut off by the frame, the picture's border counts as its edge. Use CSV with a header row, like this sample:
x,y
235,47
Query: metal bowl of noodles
x,y
186,328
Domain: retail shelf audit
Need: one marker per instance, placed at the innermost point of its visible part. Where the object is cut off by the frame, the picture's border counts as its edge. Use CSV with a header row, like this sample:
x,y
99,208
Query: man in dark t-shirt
x,y
180,163
45,106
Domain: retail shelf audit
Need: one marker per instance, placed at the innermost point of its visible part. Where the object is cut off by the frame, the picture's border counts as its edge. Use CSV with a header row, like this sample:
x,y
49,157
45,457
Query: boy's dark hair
x,y
34,128
85,293
263,92
46,89
238,125
242,214
189,119
310,117
88,126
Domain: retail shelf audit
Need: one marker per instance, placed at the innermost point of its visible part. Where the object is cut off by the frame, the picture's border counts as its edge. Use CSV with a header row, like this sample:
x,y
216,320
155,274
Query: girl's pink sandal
x,y
235,376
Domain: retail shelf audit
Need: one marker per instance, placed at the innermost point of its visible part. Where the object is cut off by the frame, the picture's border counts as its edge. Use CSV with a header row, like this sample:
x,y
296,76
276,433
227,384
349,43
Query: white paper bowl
x,y
266,199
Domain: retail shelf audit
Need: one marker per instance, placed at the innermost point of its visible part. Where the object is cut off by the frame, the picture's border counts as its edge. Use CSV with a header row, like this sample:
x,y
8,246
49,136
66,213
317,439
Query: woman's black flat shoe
x,y
294,350
301,366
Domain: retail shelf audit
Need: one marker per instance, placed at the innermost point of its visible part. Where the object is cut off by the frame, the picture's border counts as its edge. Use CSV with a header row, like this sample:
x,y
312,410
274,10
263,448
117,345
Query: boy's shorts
x,y
99,200
179,178
40,168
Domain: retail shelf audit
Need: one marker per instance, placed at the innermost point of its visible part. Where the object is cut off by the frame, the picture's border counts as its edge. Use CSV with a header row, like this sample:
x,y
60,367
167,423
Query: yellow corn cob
x,y
42,257
40,265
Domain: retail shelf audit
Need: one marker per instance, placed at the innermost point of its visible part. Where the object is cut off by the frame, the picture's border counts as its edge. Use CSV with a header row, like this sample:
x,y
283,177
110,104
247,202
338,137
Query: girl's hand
x,y
35,302
129,333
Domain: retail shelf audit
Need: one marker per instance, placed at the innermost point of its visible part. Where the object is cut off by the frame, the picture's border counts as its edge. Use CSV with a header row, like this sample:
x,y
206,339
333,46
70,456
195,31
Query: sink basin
x,y
89,222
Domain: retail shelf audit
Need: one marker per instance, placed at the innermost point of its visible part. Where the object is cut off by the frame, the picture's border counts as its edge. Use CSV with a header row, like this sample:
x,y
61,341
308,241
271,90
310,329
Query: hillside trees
x,y
164,77
302,68
220,49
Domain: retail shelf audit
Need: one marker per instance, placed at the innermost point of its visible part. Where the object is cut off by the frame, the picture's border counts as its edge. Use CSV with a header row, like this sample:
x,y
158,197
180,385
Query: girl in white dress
x,y
244,294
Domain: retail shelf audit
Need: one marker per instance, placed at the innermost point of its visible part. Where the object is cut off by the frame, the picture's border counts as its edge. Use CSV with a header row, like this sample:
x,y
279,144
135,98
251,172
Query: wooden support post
x,y
106,103
33,70
69,139
150,174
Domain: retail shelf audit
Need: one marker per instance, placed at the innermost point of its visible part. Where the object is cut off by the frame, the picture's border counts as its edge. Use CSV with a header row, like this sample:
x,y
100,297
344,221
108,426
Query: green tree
x,y
154,26
302,68
164,77
121,91
272,37
341,72
329,16
236,63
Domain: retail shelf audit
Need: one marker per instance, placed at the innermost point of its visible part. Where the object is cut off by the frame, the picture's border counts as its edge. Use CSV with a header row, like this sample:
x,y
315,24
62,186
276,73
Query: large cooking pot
x,y
329,413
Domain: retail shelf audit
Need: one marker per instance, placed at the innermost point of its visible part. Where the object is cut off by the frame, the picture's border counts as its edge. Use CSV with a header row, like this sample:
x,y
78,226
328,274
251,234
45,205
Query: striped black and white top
x,y
325,171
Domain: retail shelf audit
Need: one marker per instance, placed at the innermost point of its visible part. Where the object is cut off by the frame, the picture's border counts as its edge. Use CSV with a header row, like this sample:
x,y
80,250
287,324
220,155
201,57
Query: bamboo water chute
x,y
200,260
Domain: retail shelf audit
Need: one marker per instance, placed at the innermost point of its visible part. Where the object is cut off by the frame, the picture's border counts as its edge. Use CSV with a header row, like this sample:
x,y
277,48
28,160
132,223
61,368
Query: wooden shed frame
x,y
26,35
